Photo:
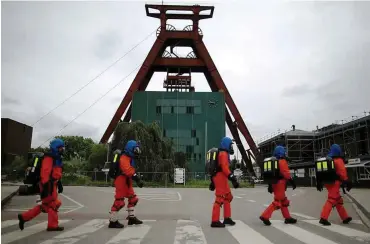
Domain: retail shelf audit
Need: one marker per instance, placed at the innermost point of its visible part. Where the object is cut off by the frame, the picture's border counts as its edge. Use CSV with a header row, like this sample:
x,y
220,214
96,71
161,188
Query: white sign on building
x,y
179,177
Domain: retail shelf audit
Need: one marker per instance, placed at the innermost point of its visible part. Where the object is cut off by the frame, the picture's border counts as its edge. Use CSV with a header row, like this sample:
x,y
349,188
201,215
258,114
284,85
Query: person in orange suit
x,y
334,197
50,186
280,200
123,184
221,184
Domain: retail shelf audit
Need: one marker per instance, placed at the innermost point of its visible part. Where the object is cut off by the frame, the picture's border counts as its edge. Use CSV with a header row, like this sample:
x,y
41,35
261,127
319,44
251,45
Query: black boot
x,y
290,221
21,221
265,221
347,220
115,224
59,228
217,224
134,221
229,221
324,222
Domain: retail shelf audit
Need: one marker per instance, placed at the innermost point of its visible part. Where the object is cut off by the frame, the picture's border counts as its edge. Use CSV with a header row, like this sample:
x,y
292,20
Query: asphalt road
x,y
182,216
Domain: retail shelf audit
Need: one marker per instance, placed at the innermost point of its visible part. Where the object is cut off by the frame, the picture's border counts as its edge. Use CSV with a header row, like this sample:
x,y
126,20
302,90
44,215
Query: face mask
x,y
231,151
137,151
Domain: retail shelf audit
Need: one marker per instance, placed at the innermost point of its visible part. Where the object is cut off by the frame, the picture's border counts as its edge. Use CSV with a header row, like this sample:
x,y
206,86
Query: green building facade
x,y
195,121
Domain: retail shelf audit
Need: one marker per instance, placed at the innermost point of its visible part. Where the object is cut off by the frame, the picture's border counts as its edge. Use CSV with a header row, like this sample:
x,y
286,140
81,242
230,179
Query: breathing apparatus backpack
x,y
114,165
212,166
325,170
271,170
33,173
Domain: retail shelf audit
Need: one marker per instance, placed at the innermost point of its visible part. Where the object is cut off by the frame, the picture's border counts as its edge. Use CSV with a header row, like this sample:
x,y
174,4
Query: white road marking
x,y
266,205
238,197
244,234
78,233
179,195
188,231
131,235
349,232
74,201
28,230
8,223
357,221
294,195
300,234
303,216
251,201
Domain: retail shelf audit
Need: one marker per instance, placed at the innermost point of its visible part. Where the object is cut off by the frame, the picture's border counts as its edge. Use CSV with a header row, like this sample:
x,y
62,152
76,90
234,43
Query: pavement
x,y
182,216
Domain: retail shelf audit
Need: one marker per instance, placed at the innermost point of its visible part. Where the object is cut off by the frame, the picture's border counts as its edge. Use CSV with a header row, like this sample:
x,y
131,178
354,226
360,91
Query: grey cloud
x,y
107,44
5,100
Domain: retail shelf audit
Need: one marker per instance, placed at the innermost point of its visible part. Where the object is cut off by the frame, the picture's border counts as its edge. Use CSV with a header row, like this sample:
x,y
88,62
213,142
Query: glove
x,y
60,187
233,180
348,185
269,188
136,178
319,186
291,181
211,186
45,190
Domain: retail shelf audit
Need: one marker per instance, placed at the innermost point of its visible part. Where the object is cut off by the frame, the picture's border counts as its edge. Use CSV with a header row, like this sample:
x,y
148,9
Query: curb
x,y
360,210
7,198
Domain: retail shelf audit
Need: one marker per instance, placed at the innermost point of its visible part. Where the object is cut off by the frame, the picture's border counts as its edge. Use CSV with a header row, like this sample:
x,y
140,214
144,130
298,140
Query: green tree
x,y
157,152
77,146
98,156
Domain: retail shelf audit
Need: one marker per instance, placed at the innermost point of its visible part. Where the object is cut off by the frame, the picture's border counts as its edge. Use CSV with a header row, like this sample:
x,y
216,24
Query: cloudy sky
x,y
301,63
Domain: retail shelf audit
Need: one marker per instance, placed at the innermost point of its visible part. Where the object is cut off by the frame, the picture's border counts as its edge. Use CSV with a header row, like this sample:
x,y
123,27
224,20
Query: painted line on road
x,y
189,231
303,216
294,195
251,201
238,197
133,234
266,205
244,234
8,223
179,195
17,235
74,201
300,234
349,232
78,233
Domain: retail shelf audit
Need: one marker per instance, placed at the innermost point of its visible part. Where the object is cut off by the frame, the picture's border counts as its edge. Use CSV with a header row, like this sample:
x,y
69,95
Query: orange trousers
x,y
123,185
280,201
50,205
334,200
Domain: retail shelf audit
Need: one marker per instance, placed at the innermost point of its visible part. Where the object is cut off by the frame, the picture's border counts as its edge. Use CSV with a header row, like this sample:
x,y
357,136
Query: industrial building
x,y
15,139
194,121
303,147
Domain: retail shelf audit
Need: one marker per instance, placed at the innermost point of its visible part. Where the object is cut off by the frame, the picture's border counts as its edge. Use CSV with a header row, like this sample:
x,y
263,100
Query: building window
x,y
197,141
164,133
190,110
189,149
193,133
172,110
158,109
200,156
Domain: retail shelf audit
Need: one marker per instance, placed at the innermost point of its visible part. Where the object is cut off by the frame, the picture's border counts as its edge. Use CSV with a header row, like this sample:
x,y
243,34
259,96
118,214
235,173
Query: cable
x,y
96,101
96,77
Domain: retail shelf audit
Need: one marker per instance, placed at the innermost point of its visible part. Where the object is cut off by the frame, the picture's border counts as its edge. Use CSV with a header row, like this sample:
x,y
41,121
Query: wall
x,y
16,140
183,117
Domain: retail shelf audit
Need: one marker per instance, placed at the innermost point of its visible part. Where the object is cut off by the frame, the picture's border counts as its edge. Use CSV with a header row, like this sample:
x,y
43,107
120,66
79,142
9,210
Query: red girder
x,y
154,62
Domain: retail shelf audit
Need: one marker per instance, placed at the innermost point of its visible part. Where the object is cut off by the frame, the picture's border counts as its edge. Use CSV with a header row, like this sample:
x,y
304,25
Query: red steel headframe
x,y
201,61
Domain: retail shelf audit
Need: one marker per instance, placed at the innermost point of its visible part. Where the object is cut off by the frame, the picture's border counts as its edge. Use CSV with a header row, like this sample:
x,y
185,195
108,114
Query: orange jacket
x,y
221,178
125,165
340,169
49,169
284,169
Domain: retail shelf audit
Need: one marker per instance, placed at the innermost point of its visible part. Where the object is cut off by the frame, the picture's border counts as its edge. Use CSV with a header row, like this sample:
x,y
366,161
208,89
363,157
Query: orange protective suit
x,y
50,174
334,197
280,199
223,191
123,185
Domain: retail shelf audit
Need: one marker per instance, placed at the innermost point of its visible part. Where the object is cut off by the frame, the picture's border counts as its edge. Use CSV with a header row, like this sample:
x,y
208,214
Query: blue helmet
x,y
55,145
279,152
335,151
132,148
227,145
